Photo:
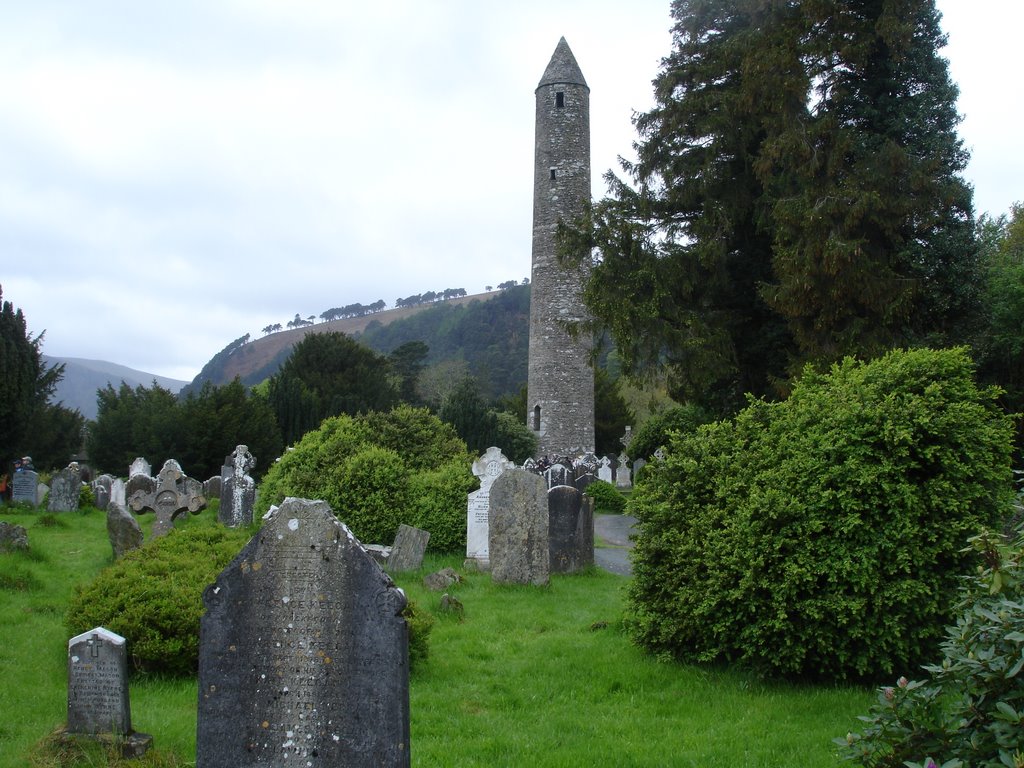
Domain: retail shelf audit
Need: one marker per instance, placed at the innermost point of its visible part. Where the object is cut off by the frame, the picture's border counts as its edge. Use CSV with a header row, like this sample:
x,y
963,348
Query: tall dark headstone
x,y
570,529
518,530
303,653
408,550
101,488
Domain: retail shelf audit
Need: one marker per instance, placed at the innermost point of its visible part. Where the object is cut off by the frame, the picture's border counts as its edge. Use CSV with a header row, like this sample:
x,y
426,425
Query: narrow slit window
x,y
559,99
536,418
553,174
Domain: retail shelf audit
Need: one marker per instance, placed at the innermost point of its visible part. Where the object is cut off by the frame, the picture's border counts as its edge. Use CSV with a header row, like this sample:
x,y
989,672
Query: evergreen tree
x,y
328,374
796,196
26,383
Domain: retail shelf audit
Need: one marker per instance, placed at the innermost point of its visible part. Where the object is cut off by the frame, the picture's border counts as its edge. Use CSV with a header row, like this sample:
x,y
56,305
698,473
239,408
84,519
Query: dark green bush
x,y
421,623
439,504
656,431
822,536
153,596
971,709
379,470
607,497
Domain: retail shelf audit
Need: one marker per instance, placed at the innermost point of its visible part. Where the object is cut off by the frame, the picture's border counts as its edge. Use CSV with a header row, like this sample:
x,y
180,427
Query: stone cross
x,y
303,651
174,494
238,490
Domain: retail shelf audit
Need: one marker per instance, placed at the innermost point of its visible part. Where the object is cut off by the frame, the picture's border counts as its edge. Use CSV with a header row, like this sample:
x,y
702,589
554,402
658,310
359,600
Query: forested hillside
x,y
491,337
485,336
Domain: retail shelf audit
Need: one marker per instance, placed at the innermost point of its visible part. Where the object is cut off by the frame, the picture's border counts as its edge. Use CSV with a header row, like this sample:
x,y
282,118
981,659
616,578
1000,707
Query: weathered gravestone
x,y
41,490
558,473
23,486
487,468
570,530
212,486
518,540
123,530
238,490
65,486
101,487
605,471
12,537
98,690
303,652
139,478
117,492
623,477
175,493
407,551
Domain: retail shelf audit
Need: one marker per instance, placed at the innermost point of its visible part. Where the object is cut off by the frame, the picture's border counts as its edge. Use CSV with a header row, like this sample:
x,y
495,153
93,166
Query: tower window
x,y
553,173
536,418
559,99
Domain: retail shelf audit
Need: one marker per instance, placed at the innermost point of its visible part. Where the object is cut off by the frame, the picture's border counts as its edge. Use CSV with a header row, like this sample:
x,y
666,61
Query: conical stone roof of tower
x,y
563,68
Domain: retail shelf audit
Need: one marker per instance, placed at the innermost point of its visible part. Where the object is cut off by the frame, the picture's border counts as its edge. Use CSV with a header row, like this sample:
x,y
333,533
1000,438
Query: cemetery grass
x,y
537,676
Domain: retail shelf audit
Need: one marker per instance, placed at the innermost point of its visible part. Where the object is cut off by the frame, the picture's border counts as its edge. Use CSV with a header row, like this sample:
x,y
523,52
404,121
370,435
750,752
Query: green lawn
x,y
530,676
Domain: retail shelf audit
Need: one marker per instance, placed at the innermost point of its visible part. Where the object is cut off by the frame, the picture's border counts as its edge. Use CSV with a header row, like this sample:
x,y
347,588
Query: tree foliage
x,y
26,383
378,470
796,196
198,431
822,536
328,374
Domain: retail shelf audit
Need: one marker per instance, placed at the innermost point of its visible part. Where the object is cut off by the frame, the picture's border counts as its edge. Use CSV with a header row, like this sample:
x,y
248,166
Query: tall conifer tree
x,y
796,196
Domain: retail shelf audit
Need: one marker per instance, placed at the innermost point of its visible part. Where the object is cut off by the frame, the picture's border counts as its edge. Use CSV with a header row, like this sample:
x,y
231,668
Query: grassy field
x,y
529,676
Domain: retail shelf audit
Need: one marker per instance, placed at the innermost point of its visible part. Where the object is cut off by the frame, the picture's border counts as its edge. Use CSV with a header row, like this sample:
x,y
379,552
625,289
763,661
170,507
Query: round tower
x,y
560,390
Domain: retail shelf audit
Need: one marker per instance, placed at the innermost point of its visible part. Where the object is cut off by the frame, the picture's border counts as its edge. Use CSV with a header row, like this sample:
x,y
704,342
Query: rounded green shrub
x,y
379,470
656,432
822,536
607,498
439,504
153,596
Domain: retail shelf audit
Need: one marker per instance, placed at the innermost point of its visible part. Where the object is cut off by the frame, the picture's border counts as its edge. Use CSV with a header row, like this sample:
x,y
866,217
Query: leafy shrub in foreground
x,y
153,596
971,709
607,498
822,536
379,470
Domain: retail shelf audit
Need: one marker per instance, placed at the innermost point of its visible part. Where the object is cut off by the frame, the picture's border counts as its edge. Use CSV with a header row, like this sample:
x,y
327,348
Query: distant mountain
x,y
436,323
83,377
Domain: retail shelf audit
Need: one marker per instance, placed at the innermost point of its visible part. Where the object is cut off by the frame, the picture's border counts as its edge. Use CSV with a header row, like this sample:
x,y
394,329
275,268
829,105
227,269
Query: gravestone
x,y
123,530
65,487
101,488
41,490
487,468
12,537
117,492
175,493
623,476
212,486
303,652
23,486
238,490
638,464
98,690
583,482
558,474
407,551
518,540
139,467
605,472
570,530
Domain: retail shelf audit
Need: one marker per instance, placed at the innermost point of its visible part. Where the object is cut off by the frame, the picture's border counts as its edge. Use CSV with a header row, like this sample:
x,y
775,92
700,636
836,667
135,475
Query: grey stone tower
x,y
560,390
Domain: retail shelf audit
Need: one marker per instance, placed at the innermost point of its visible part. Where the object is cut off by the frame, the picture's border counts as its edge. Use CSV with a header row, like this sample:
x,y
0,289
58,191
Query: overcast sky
x,y
174,175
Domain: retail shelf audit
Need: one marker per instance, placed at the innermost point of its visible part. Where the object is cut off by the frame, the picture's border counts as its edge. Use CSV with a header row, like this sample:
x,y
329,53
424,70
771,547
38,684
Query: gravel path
x,y
613,532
